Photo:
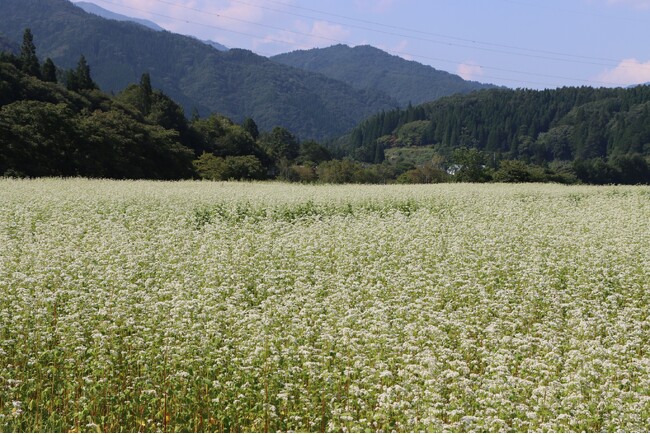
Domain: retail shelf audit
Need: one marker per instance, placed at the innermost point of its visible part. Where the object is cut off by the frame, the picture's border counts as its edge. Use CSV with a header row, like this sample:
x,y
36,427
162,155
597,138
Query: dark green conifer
x,y
28,60
49,71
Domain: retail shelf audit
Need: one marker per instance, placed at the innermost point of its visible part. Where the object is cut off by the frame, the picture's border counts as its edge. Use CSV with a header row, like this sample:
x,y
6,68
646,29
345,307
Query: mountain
x,y
216,45
92,8
236,83
583,125
8,46
48,130
366,67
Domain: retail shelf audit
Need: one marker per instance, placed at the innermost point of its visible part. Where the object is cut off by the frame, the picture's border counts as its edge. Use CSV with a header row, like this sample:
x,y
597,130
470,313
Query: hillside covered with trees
x,y
236,83
597,135
367,67
56,122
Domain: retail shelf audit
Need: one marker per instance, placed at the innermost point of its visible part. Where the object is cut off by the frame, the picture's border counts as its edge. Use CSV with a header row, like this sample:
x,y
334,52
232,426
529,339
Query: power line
x,y
572,59
546,52
403,54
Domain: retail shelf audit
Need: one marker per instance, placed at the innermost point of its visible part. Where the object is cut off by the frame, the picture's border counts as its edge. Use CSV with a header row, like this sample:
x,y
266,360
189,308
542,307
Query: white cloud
x,y
629,71
398,49
305,34
229,15
220,20
469,70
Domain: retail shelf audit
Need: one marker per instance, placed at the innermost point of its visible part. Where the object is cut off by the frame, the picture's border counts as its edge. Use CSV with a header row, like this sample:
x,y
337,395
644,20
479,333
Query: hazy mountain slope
x,y
236,83
97,10
366,67
104,13
216,45
8,46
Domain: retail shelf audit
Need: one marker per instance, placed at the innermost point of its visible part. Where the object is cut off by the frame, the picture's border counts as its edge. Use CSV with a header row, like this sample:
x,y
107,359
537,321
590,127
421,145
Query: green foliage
x,y
220,136
80,79
120,146
48,71
37,139
313,152
586,125
209,166
302,173
626,169
353,172
471,164
250,127
413,133
46,130
410,157
28,60
280,144
424,174
235,83
519,171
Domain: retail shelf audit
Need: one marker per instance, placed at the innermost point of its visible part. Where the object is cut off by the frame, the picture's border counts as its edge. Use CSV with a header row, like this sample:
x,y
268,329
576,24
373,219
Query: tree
x,y
251,128
80,78
313,152
147,92
512,171
280,144
28,60
472,165
209,166
49,71
427,173
37,139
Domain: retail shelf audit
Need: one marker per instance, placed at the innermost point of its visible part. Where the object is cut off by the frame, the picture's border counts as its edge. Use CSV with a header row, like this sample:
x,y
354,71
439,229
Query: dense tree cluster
x,y
235,83
48,129
604,134
71,128
58,123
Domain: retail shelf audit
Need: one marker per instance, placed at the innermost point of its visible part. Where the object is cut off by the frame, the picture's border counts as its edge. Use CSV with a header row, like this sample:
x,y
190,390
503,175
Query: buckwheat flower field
x,y
197,306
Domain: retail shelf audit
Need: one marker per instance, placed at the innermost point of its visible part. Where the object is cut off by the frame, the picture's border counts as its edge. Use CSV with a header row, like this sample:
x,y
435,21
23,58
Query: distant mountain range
x,y
367,67
313,102
92,8
8,46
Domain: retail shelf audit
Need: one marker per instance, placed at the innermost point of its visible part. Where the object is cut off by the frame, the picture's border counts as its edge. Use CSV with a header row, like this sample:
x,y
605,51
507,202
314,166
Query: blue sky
x,y
515,43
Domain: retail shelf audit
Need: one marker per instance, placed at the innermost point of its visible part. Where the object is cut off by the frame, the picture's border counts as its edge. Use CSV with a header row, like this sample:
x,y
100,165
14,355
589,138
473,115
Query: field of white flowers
x,y
196,306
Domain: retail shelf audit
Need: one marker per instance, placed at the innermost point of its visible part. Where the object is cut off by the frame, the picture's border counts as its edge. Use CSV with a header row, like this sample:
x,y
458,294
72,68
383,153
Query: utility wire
x,y
375,23
403,54
571,58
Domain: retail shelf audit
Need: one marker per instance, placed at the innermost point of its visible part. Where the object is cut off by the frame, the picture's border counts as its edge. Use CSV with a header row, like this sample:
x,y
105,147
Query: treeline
x,y
602,135
58,123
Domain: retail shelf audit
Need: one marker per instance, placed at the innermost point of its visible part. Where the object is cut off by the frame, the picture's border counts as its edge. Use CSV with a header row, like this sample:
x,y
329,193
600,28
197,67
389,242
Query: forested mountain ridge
x,y
58,123
236,83
597,131
47,129
367,67
8,46
92,8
